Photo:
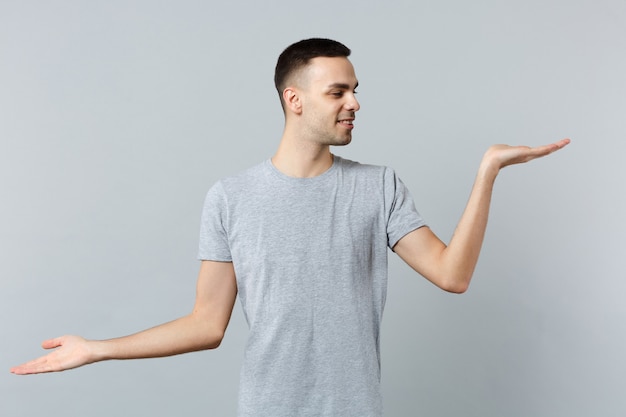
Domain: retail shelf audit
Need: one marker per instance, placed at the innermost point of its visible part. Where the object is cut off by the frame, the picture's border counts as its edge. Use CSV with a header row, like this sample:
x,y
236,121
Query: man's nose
x,y
353,104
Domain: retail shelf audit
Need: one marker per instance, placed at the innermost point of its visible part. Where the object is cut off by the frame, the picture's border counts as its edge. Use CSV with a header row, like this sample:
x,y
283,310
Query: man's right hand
x,y
203,329
71,352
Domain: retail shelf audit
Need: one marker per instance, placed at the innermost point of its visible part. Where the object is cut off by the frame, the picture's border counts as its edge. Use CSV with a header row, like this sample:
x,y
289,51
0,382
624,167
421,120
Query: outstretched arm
x,y
202,329
451,267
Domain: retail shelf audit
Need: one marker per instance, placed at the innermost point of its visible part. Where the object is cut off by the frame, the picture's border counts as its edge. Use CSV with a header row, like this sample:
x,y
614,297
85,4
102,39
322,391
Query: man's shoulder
x,y
361,168
252,173
239,182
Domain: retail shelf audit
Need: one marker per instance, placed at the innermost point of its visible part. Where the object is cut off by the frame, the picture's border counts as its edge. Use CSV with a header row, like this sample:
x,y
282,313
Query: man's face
x,y
328,100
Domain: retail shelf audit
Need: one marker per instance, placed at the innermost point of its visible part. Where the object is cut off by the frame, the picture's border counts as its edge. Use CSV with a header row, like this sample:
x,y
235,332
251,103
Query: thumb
x,y
52,343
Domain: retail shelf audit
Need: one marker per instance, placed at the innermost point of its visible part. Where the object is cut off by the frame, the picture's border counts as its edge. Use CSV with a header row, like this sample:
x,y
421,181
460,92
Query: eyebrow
x,y
343,86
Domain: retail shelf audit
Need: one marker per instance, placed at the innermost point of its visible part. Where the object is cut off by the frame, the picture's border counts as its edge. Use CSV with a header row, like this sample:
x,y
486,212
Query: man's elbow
x,y
456,284
207,334
214,338
457,288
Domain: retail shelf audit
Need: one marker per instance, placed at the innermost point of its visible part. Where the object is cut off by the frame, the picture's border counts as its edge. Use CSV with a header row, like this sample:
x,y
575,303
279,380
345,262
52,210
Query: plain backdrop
x,y
116,117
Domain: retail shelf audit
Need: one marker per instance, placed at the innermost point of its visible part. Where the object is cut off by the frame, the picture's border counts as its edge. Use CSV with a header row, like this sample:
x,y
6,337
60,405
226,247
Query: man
x,y
303,239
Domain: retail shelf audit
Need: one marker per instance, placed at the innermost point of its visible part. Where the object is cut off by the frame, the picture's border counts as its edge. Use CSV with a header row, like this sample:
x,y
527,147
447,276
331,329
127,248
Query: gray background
x,y
116,117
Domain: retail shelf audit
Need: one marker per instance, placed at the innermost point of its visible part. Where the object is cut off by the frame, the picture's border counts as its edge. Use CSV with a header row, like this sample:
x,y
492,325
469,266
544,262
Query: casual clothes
x,y
310,256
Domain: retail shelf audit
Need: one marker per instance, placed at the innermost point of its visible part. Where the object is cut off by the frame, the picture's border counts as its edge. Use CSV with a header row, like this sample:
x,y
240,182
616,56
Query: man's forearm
x,y
186,334
459,258
454,265
202,329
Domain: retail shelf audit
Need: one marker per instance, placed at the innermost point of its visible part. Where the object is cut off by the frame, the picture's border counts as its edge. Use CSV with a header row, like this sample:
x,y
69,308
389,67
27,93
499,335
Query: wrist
x,y
489,167
100,350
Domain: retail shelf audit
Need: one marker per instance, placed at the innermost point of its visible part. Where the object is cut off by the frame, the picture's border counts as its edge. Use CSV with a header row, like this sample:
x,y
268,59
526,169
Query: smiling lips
x,y
347,123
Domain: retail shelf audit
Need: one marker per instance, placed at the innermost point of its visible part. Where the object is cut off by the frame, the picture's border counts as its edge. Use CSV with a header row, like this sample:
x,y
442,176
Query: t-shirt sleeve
x,y
402,216
213,244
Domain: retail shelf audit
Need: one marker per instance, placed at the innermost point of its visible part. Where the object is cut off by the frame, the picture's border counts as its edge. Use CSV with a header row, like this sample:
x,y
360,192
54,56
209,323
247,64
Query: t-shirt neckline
x,y
308,180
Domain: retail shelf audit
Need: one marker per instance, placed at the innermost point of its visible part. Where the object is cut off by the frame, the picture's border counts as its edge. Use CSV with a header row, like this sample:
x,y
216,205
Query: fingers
x,y
41,364
47,363
500,156
563,142
545,150
71,352
554,146
35,366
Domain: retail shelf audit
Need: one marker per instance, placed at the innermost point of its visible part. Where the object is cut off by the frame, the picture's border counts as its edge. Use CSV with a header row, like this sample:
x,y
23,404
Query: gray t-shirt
x,y
310,256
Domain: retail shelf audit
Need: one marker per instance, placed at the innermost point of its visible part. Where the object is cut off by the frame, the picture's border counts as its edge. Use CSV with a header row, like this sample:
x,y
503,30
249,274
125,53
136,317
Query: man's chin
x,y
343,141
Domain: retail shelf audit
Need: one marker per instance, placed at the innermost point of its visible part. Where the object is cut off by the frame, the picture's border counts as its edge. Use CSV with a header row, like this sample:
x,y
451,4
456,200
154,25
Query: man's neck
x,y
302,159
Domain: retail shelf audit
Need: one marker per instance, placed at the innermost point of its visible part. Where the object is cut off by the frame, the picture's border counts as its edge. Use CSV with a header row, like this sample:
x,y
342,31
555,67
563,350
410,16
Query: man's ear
x,y
291,97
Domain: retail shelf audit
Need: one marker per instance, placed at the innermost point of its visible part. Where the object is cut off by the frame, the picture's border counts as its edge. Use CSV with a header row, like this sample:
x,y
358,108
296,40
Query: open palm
x,y
505,155
71,352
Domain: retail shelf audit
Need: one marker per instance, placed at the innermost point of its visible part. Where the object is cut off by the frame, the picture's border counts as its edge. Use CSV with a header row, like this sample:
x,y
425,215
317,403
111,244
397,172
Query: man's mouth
x,y
346,122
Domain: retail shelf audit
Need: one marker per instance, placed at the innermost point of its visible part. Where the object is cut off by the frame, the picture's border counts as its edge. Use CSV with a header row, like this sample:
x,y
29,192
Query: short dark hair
x,y
298,55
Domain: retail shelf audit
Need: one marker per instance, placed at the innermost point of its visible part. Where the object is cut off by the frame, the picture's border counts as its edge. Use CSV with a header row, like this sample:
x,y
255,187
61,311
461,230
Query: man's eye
x,y
337,93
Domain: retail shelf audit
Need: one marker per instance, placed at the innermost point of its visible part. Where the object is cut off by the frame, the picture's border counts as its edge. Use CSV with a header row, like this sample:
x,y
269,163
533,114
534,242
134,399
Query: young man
x,y
303,239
